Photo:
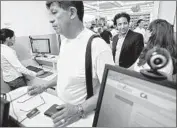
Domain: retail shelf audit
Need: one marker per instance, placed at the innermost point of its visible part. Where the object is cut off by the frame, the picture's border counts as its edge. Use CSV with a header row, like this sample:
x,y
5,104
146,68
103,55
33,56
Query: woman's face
x,y
11,41
147,35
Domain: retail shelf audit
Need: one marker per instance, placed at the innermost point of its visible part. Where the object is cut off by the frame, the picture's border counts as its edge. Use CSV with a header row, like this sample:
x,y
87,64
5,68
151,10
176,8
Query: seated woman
x,y
12,69
159,34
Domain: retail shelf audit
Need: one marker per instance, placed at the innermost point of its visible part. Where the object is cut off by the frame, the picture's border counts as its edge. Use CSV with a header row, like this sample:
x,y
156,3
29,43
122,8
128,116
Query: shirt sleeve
x,y
13,60
103,58
101,55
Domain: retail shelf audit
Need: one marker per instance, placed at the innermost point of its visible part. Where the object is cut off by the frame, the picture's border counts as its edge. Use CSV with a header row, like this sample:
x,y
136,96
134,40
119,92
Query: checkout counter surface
x,y
17,109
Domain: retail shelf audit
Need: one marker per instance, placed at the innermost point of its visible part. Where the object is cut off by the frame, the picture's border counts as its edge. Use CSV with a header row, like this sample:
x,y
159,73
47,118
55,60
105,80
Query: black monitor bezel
x,y
108,67
48,40
5,117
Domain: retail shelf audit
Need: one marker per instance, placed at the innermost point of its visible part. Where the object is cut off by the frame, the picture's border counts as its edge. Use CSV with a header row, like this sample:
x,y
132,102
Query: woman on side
x,y
12,69
159,34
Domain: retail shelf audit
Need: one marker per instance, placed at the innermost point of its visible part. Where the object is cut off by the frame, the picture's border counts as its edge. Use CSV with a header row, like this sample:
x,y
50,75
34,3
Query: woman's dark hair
x,y
139,21
119,15
162,36
5,33
66,4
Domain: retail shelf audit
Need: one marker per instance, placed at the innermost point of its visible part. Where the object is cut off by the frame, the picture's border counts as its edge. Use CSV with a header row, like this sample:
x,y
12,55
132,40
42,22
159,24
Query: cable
x,y
18,97
34,108
17,121
23,119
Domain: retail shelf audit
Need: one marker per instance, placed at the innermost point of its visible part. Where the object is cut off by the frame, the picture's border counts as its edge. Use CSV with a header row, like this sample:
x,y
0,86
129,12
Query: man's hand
x,y
40,73
36,89
66,116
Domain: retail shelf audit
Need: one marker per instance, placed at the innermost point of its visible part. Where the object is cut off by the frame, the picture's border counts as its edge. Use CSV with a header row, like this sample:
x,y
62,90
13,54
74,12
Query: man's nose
x,y
52,20
122,26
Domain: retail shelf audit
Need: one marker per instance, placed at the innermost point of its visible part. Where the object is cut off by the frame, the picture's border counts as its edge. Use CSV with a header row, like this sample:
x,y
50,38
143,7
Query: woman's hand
x,y
40,73
66,116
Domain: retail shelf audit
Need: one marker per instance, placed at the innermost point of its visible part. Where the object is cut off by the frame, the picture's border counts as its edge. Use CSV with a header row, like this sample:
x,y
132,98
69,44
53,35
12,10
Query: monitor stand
x,y
153,74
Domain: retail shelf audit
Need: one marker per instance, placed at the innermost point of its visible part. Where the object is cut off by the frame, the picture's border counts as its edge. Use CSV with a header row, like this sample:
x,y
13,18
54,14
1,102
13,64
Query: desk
x,y
41,120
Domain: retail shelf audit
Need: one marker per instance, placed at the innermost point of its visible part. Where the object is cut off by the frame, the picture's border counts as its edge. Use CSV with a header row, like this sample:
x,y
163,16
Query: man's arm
x,y
36,89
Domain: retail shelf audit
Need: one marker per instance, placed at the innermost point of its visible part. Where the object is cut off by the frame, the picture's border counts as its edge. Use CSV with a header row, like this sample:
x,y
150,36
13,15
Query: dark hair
x,y
66,4
119,15
5,33
162,36
139,21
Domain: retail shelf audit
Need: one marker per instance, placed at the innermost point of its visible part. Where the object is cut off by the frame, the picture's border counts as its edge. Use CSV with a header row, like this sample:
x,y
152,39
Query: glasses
x,y
28,100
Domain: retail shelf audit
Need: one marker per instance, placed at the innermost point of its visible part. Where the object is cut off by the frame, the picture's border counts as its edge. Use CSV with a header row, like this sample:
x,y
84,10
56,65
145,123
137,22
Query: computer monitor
x,y
40,45
129,99
4,112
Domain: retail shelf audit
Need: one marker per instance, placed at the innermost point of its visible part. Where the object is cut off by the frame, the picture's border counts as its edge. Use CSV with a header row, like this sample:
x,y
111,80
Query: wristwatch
x,y
81,111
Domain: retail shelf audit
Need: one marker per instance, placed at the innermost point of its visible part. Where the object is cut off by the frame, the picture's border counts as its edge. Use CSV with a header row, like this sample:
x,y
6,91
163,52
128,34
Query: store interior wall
x,y
28,18
167,11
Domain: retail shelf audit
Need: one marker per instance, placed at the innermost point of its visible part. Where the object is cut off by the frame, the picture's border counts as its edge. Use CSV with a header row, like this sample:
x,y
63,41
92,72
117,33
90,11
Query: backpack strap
x,y
88,67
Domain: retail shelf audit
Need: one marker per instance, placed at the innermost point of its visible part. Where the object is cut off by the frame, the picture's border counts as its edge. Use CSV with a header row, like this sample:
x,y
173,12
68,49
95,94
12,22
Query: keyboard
x,y
35,69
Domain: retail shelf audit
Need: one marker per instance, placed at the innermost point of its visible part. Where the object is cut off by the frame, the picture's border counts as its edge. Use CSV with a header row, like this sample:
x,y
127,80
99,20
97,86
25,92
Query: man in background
x,y
140,27
127,45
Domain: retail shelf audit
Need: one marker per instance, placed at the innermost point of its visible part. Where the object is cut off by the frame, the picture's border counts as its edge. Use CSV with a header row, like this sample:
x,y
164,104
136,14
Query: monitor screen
x,y
40,45
4,112
128,99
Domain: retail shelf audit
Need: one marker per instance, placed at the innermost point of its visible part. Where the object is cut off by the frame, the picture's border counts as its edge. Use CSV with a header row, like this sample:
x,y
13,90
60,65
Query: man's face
x,y
122,25
141,24
59,18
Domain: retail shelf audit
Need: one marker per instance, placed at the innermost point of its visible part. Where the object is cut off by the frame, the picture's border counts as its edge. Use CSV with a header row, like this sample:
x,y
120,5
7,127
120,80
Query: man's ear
x,y
72,12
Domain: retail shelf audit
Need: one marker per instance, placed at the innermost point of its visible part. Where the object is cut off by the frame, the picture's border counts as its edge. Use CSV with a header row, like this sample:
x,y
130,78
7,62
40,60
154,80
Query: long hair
x,y
162,36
